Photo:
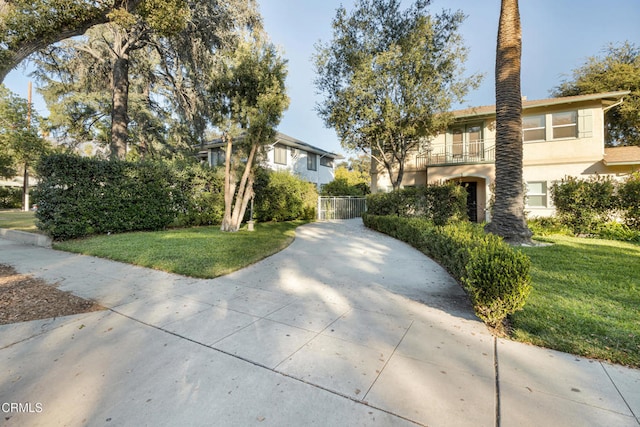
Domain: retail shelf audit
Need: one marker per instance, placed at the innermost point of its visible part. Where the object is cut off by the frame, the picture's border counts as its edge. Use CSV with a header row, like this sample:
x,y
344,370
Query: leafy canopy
x,y
617,69
20,142
389,76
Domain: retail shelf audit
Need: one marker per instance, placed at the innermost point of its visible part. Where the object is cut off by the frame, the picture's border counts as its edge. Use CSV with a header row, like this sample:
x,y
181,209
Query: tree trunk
x,y
120,101
245,191
25,188
508,219
229,189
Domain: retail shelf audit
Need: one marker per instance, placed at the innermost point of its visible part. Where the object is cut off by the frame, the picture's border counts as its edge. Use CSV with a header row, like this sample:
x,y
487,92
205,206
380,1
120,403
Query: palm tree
x,y
508,211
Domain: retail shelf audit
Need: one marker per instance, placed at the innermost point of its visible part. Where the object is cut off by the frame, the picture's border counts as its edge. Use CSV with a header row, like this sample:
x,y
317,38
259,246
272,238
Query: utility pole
x,y
25,184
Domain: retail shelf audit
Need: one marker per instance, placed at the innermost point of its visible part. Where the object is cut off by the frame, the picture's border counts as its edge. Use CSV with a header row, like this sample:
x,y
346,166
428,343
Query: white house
x,y
310,163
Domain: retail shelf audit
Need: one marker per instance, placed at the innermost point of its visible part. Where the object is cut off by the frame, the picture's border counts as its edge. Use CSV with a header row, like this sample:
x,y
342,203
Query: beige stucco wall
x,y
544,161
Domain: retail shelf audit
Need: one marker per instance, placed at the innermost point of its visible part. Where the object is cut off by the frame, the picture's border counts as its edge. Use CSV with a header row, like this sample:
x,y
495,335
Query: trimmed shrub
x,y
281,196
79,196
10,198
495,275
203,190
584,204
439,203
629,197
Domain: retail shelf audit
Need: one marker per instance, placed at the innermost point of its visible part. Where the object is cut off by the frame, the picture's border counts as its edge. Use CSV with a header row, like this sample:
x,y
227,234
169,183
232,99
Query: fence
x,y
341,207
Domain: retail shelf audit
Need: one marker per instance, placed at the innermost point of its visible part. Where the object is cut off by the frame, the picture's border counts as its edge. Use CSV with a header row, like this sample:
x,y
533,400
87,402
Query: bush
x,y
78,196
10,198
545,226
439,203
281,196
584,204
629,196
495,276
341,187
203,190
617,231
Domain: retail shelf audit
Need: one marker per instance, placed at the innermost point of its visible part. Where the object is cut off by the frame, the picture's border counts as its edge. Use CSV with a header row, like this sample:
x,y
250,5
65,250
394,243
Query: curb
x,y
26,238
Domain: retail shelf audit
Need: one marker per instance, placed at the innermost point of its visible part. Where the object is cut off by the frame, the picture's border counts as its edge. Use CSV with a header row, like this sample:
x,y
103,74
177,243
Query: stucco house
x,y
562,136
310,163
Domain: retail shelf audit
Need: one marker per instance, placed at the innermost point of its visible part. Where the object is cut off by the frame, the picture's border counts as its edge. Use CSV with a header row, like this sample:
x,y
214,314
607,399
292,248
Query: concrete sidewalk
x,y
344,327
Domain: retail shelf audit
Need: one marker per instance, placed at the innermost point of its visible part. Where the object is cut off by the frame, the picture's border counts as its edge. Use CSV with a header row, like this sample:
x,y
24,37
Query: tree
x,y
389,77
248,90
618,69
508,219
20,143
351,178
164,64
27,26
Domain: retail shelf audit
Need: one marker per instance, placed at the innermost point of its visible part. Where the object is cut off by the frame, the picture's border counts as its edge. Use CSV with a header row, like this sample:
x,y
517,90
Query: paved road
x,y
344,327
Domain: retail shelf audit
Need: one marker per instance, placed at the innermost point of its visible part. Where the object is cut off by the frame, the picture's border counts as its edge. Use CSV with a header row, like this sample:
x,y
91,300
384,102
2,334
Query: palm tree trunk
x,y
508,212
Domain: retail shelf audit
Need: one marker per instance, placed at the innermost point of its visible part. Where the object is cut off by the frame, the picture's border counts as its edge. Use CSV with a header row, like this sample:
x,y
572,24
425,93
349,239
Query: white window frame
x,y
280,154
573,125
544,194
326,161
312,161
537,128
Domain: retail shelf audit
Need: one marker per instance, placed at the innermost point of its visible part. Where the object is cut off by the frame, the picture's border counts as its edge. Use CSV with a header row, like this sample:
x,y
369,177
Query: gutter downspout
x,y
605,109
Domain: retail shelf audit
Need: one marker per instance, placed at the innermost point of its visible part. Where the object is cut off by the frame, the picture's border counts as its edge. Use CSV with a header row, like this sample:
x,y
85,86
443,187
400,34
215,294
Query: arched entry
x,y
476,188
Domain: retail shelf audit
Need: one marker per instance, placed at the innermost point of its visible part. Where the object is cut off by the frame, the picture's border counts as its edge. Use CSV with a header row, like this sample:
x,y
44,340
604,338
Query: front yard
x,y
585,299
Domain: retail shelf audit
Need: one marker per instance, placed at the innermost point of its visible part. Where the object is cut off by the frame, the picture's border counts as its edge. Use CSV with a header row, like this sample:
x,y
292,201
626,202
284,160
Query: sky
x,y
557,37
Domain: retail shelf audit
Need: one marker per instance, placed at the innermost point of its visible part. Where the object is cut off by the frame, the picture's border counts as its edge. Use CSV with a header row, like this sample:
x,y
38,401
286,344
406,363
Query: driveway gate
x,y
341,207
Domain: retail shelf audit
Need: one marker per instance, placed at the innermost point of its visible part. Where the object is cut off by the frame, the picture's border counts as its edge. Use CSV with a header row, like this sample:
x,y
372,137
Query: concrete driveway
x,y
344,327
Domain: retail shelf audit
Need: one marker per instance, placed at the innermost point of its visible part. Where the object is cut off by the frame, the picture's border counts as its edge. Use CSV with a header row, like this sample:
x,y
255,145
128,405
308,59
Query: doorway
x,y
472,200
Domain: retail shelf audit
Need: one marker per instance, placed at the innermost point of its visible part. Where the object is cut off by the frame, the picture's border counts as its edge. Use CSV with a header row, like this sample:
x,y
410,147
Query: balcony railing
x,y
458,153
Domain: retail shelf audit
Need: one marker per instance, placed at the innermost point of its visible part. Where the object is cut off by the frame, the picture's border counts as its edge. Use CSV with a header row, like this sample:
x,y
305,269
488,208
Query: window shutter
x,y
585,123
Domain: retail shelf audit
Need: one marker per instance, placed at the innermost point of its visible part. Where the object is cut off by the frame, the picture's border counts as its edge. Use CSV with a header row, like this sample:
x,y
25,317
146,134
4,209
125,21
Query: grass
x,y
585,299
203,252
18,220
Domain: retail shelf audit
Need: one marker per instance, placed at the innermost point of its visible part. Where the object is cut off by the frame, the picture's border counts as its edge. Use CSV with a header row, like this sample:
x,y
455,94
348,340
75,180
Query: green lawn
x,y
585,299
204,252
18,220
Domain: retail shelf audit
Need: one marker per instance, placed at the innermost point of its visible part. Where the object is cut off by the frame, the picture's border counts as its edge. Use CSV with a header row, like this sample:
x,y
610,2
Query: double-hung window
x,y
565,125
533,128
537,194
326,161
312,162
280,155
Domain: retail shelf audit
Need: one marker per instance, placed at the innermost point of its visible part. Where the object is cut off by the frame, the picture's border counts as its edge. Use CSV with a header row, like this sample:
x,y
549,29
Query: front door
x,y
472,200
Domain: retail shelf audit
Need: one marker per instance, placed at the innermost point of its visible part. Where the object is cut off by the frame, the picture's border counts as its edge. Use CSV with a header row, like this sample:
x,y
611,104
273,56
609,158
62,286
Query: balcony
x,y
468,153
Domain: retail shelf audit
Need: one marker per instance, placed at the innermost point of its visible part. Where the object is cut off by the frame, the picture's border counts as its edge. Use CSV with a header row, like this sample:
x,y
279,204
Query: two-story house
x,y
310,163
561,137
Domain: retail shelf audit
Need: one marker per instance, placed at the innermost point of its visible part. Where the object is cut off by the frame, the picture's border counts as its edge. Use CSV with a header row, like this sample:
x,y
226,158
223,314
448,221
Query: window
x,y
312,162
537,194
326,161
565,125
280,155
533,128
458,143
474,140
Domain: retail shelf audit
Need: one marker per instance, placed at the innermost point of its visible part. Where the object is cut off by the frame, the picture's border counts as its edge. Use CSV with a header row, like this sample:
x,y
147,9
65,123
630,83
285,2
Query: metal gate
x,y
341,207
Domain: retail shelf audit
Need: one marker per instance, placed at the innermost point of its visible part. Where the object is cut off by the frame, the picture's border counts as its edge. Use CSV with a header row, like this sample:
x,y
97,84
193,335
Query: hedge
x,y
79,196
10,198
495,275
439,203
281,196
